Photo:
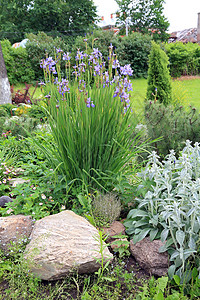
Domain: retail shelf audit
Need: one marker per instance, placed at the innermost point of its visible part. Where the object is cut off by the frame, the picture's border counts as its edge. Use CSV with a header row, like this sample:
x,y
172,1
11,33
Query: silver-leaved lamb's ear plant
x,y
170,209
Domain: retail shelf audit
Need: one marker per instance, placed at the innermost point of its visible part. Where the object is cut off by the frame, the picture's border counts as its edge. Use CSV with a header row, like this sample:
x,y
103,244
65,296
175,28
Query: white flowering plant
x,y
170,209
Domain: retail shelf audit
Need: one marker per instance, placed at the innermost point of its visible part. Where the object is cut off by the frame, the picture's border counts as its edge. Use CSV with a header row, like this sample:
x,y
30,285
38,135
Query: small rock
x,y
15,181
146,253
13,229
116,228
4,200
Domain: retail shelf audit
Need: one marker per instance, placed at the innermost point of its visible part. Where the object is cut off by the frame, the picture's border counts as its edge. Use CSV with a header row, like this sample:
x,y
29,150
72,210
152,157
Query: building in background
x,y
187,35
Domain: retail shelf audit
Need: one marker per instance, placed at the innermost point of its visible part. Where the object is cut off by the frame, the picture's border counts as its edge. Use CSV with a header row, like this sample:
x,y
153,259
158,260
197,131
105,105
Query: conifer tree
x,y
159,80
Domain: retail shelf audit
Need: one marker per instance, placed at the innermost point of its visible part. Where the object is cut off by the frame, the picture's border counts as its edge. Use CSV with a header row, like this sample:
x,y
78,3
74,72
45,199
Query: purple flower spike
x,y
111,46
116,64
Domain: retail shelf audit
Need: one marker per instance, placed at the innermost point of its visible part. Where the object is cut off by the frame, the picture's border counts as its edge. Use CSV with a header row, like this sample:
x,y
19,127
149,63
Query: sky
x,y
181,14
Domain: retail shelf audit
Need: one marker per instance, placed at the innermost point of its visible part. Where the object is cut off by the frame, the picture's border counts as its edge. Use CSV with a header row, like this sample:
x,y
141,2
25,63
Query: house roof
x,y
184,36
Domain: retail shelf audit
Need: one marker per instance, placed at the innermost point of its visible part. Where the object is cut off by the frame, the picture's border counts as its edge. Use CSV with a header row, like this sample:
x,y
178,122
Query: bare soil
x,y
187,77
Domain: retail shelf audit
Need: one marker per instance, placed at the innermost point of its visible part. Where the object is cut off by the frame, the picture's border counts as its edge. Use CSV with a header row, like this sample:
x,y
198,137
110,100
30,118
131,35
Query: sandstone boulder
x,y
61,243
14,229
146,253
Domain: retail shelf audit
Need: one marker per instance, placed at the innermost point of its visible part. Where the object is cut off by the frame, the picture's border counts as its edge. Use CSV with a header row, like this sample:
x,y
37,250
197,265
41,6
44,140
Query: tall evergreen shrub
x,y
159,80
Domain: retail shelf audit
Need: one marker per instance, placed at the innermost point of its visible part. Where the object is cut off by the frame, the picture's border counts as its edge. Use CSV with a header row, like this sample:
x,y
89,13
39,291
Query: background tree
x,y
158,81
145,16
55,17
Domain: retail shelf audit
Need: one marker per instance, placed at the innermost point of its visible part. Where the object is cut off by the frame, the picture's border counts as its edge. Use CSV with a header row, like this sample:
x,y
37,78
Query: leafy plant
x,y
101,238
23,97
121,245
17,63
170,209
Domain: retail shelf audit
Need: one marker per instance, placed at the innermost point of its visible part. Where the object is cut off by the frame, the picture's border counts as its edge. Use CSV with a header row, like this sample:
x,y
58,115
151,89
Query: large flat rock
x,y
62,243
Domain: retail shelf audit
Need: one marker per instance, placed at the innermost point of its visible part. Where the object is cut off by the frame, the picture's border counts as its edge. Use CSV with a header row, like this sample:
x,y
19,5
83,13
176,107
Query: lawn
x,y
188,91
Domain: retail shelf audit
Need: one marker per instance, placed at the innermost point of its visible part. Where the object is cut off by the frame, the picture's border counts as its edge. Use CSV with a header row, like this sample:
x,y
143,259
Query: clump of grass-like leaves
x,y
90,117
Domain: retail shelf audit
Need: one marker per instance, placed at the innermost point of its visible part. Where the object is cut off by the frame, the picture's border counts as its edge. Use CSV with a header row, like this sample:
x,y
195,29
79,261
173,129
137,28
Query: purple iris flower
x,y
66,56
89,103
42,83
59,50
116,64
126,70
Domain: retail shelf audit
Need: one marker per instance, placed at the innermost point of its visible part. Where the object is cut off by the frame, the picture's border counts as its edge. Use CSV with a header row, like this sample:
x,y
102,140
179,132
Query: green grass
x,y
188,91
192,88
138,94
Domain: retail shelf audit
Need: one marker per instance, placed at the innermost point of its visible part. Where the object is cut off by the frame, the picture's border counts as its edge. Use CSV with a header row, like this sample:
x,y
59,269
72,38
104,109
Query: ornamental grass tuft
x,y
90,117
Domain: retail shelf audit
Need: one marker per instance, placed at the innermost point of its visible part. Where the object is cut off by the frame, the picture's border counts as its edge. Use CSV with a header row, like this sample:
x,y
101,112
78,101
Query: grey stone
x,y
4,200
146,253
15,181
62,243
14,229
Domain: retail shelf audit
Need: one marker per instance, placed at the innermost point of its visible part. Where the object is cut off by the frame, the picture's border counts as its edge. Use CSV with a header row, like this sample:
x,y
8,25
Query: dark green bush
x,y
37,112
174,125
159,81
184,58
98,39
17,63
37,48
134,49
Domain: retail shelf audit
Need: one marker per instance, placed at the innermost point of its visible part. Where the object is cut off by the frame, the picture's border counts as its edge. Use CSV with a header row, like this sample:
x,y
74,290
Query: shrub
x,y
173,124
135,49
40,45
37,112
184,58
106,208
100,39
20,96
17,63
170,208
159,81
17,126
